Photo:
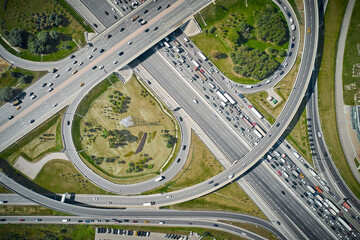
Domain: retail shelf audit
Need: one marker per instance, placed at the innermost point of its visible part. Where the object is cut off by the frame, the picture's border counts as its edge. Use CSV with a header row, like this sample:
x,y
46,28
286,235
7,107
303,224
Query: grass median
x,y
326,91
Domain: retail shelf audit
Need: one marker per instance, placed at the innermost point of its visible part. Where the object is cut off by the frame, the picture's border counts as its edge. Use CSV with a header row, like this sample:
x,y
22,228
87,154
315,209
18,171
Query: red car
x,y
22,220
202,71
108,36
279,173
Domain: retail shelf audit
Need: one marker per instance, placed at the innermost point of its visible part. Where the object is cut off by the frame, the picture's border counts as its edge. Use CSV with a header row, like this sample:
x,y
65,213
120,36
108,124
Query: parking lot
x,y
103,233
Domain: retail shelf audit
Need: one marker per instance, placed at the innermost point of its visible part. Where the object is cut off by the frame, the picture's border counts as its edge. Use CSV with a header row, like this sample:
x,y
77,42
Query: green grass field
x,y
214,15
351,84
31,146
18,14
27,210
333,19
61,176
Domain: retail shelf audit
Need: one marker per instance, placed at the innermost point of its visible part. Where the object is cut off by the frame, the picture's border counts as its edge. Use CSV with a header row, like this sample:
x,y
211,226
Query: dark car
x,y
106,13
72,56
121,53
102,50
10,117
282,72
184,147
32,120
94,67
158,8
178,160
68,122
180,118
282,192
155,28
122,29
146,30
145,11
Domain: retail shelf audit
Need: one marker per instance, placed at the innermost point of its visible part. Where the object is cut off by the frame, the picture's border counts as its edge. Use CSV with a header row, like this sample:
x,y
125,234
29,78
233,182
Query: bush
x,y
6,94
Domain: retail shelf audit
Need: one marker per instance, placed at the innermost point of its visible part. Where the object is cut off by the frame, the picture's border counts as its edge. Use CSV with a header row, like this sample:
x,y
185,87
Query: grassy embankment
x,y
17,14
326,91
215,15
351,84
200,166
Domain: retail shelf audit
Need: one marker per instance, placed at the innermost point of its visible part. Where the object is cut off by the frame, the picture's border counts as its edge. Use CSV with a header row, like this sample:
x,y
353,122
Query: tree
x,y
43,37
6,94
54,34
233,36
212,29
18,38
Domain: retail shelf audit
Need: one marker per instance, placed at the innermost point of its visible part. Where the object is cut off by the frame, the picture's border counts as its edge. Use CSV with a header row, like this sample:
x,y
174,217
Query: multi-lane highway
x,y
139,36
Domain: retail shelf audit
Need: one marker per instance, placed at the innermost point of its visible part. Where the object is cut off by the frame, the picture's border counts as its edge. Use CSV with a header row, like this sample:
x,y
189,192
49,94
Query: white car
x,y
56,76
90,56
68,69
94,49
33,96
215,117
55,104
130,42
50,89
50,84
101,67
80,63
116,61
112,9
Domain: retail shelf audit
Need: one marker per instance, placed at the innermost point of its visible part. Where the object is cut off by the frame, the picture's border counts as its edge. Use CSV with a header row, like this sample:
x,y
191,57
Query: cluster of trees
x,y
270,26
24,79
140,165
100,160
119,102
45,22
253,63
170,140
119,138
44,42
239,34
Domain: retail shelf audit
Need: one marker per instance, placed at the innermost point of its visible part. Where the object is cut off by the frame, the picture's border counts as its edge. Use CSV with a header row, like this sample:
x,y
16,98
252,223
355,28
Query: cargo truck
x,y
196,64
256,112
258,134
231,100
222,97
149,204
202,56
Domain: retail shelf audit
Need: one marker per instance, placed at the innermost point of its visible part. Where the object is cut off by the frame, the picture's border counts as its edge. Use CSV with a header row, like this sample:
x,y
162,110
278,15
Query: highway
x,y
128,221
284,118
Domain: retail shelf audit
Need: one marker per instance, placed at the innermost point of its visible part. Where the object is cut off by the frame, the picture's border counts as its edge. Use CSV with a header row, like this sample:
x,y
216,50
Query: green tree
x,y
54,34
6,94
43,37
18,38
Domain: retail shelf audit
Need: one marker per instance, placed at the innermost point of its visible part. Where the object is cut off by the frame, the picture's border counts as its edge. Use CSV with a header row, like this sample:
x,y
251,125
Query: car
x,y
106,12
56,75
112,9
308,30
146,11
129,42
178,160
282,72
38,220
68,122
278,124
101,67
121,53
10,117
82,84
50,84
158,8
50,89
32,120
215,117
22,220
108,36
81,63
156,28
72,56
184,147
68,69
282,192
94,67
102,50
44,85
90,56
148,82
180,118
33,96
115,62
146,30
18,107
55,104
75,71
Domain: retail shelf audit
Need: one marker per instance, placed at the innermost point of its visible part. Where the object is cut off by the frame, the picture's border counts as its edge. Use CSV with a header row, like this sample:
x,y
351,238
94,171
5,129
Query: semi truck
x,y
201,74
332,206
260,129
231,100
346,205
312,172
202,56
345,224
196,64
258,134
256,112
222,97
247,121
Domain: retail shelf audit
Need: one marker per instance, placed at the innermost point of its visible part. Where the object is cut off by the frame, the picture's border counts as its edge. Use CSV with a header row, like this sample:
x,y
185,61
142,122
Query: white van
x,y
66,220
